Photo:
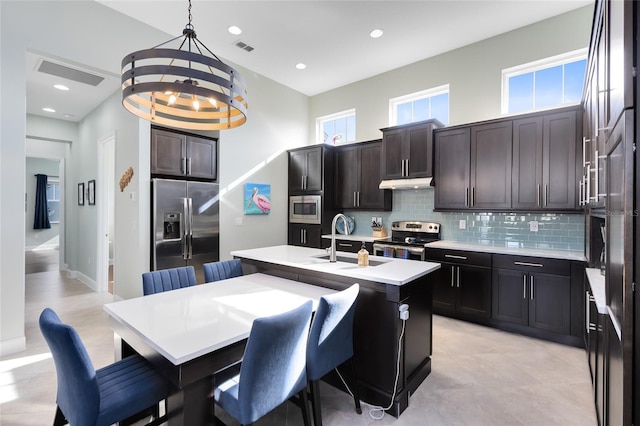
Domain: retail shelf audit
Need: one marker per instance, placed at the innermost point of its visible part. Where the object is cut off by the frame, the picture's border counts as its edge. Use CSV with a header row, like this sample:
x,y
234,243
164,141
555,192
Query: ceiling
x,y
330,37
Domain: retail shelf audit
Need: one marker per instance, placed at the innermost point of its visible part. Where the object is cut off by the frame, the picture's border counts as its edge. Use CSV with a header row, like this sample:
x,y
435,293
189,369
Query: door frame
x,y
102,199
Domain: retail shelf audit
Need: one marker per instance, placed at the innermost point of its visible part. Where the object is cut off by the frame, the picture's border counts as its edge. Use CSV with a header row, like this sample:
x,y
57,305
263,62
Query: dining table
x,y
189,334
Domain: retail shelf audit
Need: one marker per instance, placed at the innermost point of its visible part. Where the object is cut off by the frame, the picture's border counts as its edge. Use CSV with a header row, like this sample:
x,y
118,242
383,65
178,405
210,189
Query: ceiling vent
x,y
243,46
63,71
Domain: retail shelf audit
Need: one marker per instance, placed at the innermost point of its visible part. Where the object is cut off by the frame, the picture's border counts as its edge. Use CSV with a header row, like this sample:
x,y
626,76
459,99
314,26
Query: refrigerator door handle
x,y
185,227
190,245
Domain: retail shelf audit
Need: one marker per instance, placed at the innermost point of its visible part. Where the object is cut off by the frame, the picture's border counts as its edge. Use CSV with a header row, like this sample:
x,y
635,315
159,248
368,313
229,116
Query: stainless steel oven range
x,y
408,240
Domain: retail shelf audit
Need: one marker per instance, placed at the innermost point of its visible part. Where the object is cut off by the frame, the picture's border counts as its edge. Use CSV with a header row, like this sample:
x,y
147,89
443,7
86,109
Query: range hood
x,y
417,183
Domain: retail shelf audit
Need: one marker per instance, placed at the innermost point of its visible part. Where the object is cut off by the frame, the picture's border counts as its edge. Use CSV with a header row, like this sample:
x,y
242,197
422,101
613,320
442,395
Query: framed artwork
x,y
91,192
257,198
81,194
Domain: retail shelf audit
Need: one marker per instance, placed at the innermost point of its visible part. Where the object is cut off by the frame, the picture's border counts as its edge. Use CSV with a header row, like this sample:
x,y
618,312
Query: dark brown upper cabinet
x,y
358,174
526,163
306,170
490,181
407,150
183,155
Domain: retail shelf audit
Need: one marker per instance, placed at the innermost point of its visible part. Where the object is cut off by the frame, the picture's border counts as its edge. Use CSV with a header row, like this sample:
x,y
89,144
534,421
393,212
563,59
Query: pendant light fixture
x,y
183,88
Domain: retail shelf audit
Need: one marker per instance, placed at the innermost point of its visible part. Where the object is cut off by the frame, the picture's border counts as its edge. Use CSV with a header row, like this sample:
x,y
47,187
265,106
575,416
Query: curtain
x,y
41,216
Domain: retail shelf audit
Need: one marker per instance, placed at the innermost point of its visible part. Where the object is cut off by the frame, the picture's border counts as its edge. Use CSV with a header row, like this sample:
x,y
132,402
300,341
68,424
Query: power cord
x,y
377,408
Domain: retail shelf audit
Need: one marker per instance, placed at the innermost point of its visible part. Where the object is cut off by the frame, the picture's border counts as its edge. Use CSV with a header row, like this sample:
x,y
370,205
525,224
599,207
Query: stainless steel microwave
x,y
305,209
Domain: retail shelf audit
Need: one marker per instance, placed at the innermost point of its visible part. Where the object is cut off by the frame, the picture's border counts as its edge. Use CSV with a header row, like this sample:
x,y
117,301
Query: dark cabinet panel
x,y
510,301
306,170
460,289
305,235
526,188
491,165
615,393
358,175
559,161
183,155
550,302
202,158
407,150
452,168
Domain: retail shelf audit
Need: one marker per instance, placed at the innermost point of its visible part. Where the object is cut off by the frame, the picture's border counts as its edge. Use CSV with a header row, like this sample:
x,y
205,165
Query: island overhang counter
x,y
384,286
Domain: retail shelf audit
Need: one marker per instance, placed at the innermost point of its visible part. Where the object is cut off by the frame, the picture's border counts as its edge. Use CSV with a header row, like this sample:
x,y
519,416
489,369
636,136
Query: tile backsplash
x,y
555,231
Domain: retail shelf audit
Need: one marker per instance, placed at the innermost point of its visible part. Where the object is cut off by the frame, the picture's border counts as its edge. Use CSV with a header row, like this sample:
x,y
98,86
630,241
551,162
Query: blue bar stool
x,y
168,279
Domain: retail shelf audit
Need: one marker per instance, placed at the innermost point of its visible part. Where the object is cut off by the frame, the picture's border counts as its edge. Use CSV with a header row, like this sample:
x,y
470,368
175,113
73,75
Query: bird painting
x,y
257,203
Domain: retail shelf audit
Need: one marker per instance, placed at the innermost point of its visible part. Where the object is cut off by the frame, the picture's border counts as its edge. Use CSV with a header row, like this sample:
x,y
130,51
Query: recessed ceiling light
x,y
376,33
60,87
301,66
47,109
68,116
234,30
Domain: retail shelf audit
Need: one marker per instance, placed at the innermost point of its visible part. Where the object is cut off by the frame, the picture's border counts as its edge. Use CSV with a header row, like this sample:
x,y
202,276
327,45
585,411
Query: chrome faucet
x,y
332,253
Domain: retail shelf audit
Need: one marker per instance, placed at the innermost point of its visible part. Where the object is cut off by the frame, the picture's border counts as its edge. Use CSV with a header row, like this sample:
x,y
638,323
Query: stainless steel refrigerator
x,y
185,224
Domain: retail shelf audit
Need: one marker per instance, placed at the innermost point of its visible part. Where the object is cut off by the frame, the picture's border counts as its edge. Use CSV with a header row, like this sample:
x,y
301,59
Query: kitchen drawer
x,y
532,264
458,256
350,246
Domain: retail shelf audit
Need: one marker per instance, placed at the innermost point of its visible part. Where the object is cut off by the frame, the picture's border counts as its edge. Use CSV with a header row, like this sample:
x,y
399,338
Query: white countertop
x,y
186,323
596,282
360,238
391,270
548,253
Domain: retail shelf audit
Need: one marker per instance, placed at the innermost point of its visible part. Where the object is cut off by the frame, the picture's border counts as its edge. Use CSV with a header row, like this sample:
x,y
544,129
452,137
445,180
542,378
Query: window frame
x,y
417,96
54,181
320,121
534,66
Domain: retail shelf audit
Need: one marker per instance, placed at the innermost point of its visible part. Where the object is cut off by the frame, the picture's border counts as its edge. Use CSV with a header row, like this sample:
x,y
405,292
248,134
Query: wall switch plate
x,y
373,220
132,196
239,221
379,221
462,224
533,226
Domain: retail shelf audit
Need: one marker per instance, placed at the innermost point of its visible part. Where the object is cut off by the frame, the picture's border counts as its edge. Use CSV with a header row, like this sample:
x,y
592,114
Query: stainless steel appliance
x,y
408,239
185,224
305,209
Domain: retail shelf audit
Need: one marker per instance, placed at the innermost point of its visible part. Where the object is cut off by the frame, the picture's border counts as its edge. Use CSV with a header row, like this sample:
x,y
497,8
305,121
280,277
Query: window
x,y
430,103
547,83
336,129
53,199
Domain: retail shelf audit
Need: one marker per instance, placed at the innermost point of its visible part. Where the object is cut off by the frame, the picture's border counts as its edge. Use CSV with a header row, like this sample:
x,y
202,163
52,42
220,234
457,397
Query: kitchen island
x,y
385,285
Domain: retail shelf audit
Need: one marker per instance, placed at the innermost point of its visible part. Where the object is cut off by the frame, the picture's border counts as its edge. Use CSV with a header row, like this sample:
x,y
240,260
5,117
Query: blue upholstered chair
x,y
331,343
216,271
168,279
105,396
273,368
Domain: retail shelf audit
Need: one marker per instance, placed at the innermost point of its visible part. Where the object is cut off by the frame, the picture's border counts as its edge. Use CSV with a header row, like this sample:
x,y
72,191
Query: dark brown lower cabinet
x,y
462,290
305,235
539,300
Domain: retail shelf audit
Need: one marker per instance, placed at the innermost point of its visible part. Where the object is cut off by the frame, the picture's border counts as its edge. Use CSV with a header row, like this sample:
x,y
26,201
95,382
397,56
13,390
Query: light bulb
x,y
213,102
196,104
172,99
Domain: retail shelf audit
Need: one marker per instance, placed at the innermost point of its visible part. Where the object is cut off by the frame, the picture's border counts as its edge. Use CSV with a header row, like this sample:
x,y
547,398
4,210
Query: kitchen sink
x,y
353,260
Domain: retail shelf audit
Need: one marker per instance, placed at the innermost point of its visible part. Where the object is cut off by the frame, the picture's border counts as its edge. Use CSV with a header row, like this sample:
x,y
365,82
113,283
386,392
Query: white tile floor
x,y
480,376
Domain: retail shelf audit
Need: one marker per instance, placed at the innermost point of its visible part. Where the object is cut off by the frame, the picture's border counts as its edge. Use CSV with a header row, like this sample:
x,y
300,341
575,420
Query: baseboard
x,y
83,279
12,346
42,247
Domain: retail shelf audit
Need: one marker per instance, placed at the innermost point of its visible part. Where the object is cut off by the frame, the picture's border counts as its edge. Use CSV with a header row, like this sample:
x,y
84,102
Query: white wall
x,y
473,72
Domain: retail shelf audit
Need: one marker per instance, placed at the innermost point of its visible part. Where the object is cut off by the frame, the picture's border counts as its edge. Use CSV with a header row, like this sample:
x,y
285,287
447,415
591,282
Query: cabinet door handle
x,y
189,165
302,182
407,168
453,256
546,195
536,265
466,198
524,286
587,320
587,195
184,165
458,278
345,245
473,196
453,272
354,198
597,177
538,195
532,285
302,236
358,205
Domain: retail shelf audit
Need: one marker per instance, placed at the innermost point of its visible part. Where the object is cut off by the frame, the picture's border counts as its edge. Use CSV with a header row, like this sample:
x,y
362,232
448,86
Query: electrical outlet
x,y
462,224
373,220
533,226
379,221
